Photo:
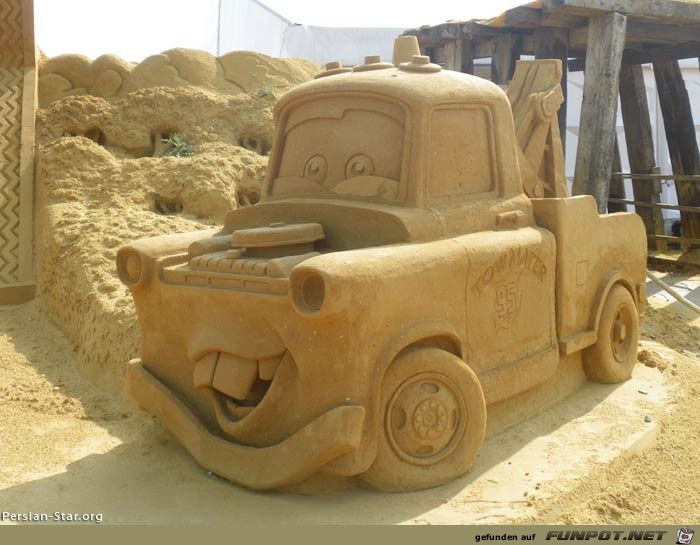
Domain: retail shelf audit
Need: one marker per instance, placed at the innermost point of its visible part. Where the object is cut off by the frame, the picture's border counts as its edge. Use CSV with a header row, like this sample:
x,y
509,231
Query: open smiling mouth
x,y
237,385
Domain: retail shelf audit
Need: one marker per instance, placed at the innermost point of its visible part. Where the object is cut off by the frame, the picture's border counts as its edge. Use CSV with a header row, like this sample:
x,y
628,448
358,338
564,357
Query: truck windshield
x,y
350,146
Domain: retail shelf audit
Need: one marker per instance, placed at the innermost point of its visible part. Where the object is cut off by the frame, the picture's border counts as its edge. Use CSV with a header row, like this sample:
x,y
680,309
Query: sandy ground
x,y
592,459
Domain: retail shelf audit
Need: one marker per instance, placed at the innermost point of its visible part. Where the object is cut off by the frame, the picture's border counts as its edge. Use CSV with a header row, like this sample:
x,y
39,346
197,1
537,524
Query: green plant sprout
x,y
263,92
177,146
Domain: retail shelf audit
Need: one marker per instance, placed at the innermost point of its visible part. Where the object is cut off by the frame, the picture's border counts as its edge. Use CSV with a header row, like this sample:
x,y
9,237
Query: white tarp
x,y
348,45
250,25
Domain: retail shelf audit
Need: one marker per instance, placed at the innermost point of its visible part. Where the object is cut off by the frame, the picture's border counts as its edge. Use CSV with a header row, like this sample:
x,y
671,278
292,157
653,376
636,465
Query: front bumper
x,y
335,433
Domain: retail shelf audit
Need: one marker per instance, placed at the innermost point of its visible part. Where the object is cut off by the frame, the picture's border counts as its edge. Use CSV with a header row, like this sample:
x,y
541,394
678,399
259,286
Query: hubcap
x,y
425,418
621,340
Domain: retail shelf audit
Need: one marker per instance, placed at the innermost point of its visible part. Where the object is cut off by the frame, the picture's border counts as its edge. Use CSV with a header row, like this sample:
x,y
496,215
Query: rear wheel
x,y
611,359
433,421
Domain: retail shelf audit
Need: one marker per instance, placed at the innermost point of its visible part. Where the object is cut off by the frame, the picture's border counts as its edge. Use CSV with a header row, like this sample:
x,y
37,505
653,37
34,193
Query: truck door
x,y
510,306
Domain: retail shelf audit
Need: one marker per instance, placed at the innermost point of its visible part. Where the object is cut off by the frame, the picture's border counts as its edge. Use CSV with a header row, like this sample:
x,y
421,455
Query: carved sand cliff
x,y
101,179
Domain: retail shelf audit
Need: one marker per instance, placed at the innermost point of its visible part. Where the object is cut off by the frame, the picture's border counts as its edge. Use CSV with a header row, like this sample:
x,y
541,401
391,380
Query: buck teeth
x,y
235,376
268,367
203,373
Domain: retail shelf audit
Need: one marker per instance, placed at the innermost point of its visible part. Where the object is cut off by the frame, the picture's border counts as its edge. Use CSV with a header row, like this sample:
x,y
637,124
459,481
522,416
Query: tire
x,y
433,421
611,359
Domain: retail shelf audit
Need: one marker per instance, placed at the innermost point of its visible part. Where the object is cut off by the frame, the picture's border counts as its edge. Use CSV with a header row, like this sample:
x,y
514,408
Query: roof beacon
x,y
333,68
420,63
372,62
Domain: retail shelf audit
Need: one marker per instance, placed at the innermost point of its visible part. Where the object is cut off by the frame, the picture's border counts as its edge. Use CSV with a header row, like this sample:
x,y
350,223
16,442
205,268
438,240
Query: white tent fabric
x,y
251,25
347,45
248,25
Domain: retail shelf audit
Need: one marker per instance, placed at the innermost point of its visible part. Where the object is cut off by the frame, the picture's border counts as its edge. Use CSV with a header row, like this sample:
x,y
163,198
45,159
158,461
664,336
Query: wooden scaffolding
x,y
609,40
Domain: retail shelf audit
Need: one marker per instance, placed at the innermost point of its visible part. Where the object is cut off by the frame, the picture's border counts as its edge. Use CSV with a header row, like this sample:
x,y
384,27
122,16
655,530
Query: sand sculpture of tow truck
x,y
415,259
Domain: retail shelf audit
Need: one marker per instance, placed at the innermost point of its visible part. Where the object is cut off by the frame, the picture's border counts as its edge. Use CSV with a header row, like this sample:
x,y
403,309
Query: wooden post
x,y
680,134
453,55
506,50
467,56
606,40
617,185
640,146
438,55
553,43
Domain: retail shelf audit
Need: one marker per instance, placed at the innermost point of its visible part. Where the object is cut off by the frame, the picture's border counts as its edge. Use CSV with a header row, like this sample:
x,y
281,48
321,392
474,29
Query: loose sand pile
x,y
659,485
101,180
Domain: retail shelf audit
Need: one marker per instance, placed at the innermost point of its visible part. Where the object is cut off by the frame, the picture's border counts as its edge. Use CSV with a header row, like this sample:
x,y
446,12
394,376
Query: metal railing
x,y
657,178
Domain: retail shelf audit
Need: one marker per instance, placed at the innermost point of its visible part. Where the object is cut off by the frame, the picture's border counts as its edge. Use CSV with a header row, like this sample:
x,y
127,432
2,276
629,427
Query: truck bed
x,y
592,251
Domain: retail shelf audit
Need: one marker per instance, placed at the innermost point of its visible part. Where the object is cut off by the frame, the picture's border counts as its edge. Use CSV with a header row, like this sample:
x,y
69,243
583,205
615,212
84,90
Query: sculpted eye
x,y
316,168
359,165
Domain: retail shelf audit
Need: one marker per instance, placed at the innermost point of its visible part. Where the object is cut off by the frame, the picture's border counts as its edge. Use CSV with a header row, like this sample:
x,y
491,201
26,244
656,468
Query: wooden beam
x,y
553,43
467,56
506,51
438,55
598,111
690,209
640,144
680,135
563,20
436,36
662,53
650,32
617,185
578,37
450,53
527,44
475,28
576,52
532,18
482,47
670,9
648,55
685,241
523,17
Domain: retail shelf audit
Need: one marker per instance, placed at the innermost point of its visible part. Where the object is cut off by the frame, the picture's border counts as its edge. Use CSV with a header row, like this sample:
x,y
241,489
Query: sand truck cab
x,y
413,261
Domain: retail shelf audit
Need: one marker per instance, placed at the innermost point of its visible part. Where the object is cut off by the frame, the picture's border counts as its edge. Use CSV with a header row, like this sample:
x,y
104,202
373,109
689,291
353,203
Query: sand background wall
x,y
101,181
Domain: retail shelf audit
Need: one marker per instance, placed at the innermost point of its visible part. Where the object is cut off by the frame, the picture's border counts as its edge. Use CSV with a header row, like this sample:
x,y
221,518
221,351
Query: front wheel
x,y
433,421
611,359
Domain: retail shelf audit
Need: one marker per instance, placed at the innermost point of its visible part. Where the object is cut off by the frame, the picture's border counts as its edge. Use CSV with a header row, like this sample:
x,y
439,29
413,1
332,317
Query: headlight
x,y
308,292
130,268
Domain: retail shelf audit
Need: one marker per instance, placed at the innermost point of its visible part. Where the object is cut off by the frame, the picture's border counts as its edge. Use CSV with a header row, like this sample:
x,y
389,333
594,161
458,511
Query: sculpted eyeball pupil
x,y
315,168
359,165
